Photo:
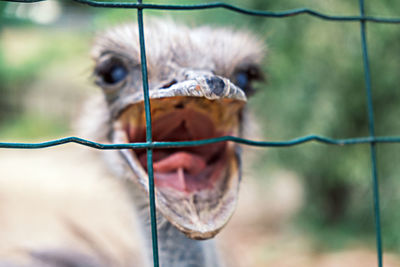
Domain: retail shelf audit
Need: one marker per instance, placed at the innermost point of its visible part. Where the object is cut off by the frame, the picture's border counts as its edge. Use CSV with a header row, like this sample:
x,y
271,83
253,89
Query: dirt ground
x,y
255,237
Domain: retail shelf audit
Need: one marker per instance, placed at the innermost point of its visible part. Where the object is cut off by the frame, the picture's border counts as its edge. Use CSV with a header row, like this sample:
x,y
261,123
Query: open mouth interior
x,y
184,169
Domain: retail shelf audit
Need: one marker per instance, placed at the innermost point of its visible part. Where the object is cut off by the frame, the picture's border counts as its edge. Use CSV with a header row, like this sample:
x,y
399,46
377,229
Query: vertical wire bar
x,y
153,217
372,134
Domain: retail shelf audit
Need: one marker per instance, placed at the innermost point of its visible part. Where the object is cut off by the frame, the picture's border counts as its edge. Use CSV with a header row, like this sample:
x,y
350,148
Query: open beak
x,y
196,187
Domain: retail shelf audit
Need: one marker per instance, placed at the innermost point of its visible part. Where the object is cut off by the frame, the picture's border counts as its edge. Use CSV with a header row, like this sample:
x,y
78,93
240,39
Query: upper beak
x,y
192,84
204,85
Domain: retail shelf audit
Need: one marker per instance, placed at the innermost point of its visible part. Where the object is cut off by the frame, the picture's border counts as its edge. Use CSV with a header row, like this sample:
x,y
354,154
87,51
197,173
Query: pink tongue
x,y
192,163
170,170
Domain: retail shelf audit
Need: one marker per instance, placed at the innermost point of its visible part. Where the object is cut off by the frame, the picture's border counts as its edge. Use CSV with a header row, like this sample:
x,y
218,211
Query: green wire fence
x,y
372,140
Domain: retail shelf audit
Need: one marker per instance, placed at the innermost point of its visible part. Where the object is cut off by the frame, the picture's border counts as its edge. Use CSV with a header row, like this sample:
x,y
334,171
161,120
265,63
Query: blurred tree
x,y
12,80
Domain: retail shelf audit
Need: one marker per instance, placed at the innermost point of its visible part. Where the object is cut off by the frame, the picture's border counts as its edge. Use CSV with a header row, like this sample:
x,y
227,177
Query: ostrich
x,y
199,81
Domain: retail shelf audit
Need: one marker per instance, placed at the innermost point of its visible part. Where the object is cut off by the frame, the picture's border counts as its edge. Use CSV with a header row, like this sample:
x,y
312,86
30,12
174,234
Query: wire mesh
x,y
372,140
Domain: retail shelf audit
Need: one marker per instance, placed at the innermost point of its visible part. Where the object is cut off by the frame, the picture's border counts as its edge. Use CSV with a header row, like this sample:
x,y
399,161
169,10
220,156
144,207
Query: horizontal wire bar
x,y
152,145
271,14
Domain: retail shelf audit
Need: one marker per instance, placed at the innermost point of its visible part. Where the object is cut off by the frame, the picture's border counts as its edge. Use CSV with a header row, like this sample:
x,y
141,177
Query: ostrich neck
x,y
179,251
175,249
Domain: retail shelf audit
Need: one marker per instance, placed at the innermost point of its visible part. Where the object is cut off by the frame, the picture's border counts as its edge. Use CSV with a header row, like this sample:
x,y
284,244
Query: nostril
x,y
216,84
168,85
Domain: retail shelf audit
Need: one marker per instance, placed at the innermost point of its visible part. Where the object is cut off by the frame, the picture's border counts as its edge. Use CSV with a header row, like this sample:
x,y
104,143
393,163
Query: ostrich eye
x,y
242,79
111,71
115,75
245,75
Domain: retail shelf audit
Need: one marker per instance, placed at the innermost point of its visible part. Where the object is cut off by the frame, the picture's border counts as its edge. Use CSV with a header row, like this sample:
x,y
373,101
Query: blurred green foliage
x,y
15,79
315,86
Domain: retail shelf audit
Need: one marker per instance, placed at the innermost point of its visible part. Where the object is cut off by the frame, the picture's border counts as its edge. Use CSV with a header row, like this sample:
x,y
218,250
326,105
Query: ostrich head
x,y
199,81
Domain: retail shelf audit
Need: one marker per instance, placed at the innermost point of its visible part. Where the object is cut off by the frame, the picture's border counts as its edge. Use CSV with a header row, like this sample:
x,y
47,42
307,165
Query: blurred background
x,y
309,205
